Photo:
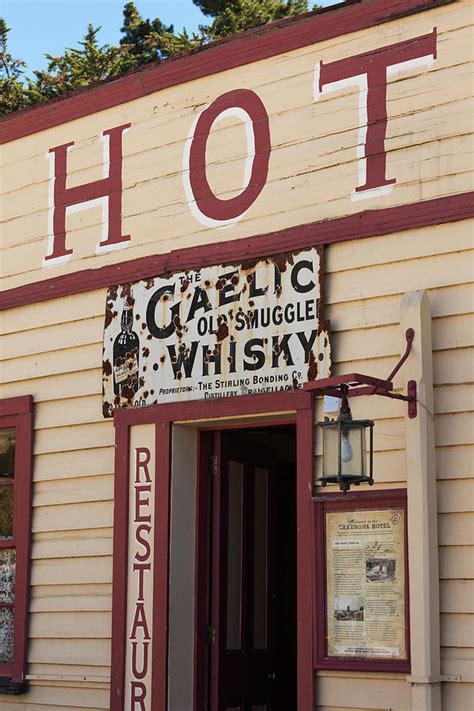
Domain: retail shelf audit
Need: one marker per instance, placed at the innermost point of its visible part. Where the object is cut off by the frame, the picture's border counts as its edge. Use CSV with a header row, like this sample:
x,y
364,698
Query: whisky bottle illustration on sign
x,y
125,357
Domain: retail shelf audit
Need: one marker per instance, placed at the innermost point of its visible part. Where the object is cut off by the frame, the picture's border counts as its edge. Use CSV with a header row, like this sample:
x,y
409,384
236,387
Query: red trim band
x,y
120,567
251,46
352,500
369,223
285,401
17,412
16,405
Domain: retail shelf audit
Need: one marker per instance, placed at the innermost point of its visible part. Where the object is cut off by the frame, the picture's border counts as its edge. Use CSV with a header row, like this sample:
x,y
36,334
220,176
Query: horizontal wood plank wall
x,y
73,476
71,582
313,164
53,349
365,282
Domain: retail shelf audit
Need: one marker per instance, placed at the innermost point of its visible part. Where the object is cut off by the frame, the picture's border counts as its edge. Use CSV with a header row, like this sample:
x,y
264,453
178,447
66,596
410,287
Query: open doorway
x,y
251,570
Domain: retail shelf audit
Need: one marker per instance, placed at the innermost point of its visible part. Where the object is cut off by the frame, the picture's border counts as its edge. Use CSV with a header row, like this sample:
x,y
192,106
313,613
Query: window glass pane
x,y
6,511
7,453
7,620
260,559
330,449
234,554
7,575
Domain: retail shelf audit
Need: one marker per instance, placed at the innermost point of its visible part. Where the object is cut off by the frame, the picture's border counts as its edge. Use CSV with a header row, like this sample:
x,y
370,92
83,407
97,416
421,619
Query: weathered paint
x,y
313,141
216,332
53,349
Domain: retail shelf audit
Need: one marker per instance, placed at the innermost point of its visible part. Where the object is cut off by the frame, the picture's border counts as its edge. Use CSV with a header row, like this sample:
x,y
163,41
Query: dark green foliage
x,y
143,37
239,15
80,67
275,9
142,41
148,40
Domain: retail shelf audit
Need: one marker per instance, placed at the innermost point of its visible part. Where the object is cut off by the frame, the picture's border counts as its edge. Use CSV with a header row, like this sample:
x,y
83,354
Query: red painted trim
x,y
369,223
22,532
163,416
338,498
206,409
16,405
161,567
251,46
305,555
319,597
308,573
120,567
320,386
249,424
216,575
384,498
201,567
18,412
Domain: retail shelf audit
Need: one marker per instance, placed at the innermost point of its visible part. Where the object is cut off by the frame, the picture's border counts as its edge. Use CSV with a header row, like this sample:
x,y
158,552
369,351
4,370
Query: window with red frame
x,y
362,620
16,415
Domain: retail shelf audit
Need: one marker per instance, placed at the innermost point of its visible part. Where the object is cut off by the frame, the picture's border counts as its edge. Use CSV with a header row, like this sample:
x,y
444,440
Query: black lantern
x,y
345,448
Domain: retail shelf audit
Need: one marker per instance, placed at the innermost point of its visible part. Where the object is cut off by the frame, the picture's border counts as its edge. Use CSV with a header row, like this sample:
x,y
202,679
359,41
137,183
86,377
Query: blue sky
x,y
39,26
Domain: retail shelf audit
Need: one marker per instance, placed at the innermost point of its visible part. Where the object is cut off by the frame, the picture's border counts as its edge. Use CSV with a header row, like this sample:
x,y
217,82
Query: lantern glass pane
x,y
330,450
353,451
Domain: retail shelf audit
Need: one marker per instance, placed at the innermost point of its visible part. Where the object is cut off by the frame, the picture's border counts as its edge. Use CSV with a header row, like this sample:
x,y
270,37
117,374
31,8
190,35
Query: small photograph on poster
x,y
348,609
378,569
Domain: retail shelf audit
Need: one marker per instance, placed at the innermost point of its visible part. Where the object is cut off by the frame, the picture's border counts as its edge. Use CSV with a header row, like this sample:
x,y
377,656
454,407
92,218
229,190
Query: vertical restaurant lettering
x,y
139,634
368,71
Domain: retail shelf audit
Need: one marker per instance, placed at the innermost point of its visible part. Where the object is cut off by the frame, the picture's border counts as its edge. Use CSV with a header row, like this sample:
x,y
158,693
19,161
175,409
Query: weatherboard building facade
x,y
193,255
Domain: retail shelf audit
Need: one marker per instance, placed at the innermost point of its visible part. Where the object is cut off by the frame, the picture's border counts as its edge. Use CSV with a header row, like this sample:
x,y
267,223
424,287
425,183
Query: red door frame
x,y
163,416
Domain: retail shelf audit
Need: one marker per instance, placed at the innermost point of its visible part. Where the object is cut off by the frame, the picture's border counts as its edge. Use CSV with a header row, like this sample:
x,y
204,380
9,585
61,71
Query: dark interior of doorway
x,y
273,447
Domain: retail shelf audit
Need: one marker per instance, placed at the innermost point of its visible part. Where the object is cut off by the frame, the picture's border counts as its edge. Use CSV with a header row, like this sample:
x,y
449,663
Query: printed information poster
x,y
365,564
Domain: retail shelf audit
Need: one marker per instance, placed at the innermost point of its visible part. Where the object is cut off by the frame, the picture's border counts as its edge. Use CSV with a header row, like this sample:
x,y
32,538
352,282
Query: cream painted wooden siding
x,y
313,165
365,282
53,350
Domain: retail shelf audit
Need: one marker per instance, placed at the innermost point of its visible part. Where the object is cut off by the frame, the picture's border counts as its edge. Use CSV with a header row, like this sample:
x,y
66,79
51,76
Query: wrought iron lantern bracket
x,y
356,384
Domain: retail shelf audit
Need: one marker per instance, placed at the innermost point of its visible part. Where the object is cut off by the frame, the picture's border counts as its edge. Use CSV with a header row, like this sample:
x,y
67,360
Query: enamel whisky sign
x,y
219,331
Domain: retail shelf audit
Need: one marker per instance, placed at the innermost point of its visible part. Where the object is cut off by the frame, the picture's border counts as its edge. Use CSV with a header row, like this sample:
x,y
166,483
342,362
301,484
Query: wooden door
x,y
245,567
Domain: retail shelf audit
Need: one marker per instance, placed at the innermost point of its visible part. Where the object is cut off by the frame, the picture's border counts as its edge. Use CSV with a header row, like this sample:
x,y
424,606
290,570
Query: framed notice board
x,y
361,602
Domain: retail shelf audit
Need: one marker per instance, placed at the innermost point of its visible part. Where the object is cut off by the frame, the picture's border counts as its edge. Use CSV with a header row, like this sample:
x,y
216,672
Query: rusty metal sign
x,y
215,332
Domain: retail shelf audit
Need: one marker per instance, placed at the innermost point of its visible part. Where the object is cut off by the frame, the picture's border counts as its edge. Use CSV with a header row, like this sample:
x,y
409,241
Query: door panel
x,y
260,559
247,661
234,554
